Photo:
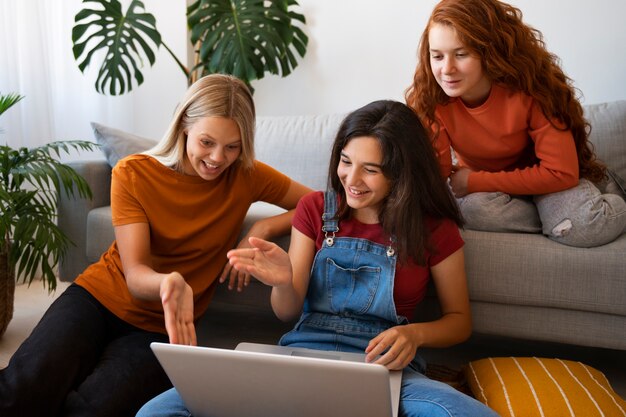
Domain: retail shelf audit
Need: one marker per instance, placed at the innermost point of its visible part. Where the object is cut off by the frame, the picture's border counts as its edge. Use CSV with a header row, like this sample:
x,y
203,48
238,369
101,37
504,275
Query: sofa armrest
x,y
72,214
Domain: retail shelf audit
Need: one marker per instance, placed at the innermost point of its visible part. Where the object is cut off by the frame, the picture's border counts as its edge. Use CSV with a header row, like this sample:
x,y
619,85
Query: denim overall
x,y
350,301
350,295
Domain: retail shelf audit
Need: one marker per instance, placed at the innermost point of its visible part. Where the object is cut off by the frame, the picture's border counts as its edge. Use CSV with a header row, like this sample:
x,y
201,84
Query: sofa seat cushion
x,y
100,233
531,270
506,268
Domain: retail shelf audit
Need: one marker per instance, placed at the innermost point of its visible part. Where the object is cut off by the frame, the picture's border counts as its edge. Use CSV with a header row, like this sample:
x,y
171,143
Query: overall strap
x,y
331,224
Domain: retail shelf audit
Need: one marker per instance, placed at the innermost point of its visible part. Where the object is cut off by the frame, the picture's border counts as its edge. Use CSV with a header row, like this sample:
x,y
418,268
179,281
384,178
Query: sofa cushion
x,y
608,133
542,387
532,270
279,143
116,144
99,234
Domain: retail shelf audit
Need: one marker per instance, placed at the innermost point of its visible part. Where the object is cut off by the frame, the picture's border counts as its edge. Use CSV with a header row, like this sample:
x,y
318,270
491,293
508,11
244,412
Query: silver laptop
x,y
257,380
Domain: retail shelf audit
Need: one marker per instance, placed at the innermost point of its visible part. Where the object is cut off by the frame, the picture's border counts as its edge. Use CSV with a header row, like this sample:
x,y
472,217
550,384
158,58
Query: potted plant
x,y
30,241
244,38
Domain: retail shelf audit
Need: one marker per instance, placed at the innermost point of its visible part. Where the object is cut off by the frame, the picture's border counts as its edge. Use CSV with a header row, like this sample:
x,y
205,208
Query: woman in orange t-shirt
x,y
499,100
177,209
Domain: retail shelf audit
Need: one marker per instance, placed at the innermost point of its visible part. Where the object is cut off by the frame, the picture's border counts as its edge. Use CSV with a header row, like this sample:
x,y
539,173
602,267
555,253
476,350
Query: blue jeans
x,y
424,397
420,397
81,360
168,404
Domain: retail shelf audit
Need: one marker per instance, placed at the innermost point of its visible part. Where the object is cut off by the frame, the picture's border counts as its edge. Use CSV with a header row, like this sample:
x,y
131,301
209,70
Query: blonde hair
x,y
215,95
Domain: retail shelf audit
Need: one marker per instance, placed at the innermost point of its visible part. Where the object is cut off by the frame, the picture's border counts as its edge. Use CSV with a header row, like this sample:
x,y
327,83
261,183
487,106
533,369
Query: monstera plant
x,y
31,243
244,38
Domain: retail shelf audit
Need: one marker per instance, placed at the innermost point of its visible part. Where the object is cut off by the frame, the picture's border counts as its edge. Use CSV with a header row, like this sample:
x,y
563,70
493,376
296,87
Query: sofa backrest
x,y
608,133
298,146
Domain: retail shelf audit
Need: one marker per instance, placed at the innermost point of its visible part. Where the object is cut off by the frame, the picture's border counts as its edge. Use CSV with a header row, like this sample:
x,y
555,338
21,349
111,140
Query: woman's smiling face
x,y
213,144
361,175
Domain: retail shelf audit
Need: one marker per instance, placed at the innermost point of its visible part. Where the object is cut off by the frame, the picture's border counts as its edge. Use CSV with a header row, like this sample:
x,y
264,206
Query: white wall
x,y
147,110
359,51
364,50
36,61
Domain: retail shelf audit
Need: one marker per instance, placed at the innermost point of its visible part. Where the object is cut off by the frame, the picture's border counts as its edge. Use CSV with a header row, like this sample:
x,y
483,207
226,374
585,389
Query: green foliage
x,y
122,36
30,182
244,38
8,100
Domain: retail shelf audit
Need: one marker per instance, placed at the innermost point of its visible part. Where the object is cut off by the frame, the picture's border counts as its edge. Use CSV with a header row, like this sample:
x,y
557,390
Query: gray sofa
x,y
521,285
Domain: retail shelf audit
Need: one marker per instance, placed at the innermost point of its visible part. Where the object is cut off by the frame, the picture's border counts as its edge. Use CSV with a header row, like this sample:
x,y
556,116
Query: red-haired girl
x,y
496,98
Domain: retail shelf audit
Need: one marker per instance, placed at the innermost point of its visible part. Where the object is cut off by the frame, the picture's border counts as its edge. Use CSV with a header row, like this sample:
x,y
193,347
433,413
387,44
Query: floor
x,y
31,302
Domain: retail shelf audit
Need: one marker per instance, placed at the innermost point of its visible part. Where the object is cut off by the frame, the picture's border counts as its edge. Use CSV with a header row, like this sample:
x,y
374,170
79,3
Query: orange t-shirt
x,y
509,143
193,223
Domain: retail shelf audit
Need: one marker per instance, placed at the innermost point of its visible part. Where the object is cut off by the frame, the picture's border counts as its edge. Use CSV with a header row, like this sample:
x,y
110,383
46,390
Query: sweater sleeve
x,y
556,168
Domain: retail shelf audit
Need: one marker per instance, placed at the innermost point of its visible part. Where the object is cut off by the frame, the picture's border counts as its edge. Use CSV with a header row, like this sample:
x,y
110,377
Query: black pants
x,y
81,360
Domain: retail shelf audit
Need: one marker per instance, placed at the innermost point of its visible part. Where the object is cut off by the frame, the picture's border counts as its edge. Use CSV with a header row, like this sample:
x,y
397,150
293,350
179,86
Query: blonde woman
x,y
177,209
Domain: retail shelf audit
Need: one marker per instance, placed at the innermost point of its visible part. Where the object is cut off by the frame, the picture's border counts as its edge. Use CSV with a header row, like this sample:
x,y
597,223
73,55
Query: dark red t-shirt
x,y
410,280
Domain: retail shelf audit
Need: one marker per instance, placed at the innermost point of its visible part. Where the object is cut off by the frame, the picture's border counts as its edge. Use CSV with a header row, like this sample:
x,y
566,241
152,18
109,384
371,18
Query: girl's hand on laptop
x,y
266,261
394,348
177,298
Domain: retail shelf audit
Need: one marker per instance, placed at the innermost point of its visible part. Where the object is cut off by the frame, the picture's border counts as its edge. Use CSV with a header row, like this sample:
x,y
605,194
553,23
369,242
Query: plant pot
x,y
7,292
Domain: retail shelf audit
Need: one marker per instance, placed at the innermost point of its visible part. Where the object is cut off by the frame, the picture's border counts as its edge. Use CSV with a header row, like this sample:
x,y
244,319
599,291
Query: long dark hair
x,y
512,54
418,191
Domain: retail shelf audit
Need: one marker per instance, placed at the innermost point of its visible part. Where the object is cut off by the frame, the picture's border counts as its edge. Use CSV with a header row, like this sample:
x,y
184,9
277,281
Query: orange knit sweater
x,y
509,144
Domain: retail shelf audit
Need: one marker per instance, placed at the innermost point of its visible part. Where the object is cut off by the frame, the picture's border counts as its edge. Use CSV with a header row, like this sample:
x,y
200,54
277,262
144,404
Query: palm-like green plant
x,y
244,38
31,180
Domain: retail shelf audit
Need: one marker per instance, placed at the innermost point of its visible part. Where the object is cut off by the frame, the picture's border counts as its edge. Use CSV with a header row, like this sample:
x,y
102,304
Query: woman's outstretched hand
x,y
177,298
236,279
266,261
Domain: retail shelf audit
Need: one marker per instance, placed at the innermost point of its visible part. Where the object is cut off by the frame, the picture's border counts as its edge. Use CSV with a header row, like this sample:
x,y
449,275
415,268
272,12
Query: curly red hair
x,y
512,54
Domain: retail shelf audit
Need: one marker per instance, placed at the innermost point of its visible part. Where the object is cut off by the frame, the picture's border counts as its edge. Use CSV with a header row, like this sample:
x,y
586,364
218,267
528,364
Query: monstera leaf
x,y
246,38
124,39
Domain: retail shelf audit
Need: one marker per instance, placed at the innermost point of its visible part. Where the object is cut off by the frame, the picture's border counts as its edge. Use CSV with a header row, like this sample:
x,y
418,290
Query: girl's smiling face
x,y
213,144
457,71
361,175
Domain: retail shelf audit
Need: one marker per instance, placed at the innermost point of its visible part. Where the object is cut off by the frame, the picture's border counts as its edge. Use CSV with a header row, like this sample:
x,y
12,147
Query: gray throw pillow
x,y
116,144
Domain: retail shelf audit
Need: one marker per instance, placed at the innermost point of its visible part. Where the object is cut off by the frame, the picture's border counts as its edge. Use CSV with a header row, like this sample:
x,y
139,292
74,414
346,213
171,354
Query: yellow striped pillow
x,y
523,387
